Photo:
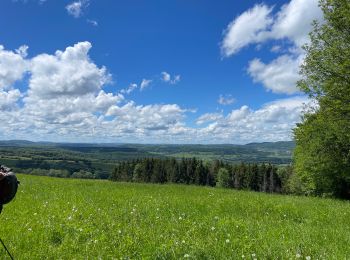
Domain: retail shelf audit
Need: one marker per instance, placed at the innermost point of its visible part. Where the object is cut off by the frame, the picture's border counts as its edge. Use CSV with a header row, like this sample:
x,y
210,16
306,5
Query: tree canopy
x,y
322,154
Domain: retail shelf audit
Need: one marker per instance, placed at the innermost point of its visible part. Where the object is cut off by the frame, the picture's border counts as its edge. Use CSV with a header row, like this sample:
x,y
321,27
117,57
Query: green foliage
x,y
193,171
322,154
53,218
224,178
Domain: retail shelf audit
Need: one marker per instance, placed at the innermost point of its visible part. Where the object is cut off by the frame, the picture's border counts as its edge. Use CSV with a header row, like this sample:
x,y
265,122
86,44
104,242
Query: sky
x,y
177,71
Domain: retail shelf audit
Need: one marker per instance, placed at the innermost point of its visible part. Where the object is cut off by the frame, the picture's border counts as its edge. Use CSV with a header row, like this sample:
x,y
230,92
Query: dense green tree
x,y
138,173
322,154
194,171
223,178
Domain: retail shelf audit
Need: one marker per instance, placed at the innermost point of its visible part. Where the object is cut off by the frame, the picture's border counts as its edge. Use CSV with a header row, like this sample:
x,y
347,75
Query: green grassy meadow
x,y
53,218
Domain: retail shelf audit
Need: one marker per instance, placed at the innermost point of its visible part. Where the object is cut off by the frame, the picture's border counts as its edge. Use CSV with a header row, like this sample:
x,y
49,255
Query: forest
x,y
248,176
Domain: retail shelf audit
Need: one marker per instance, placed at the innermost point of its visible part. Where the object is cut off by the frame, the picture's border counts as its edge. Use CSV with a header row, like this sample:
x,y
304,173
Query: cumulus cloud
x,y
249,27
208,117
129,89
22,51
272,122
12,66
166,77
145,83
68,72
294,21
226,100
8,99
66,101
258,25
280,75
150,117
76,8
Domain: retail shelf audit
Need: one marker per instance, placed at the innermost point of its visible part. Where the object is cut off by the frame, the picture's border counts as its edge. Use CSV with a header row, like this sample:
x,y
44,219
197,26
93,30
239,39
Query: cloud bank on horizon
x,y
65,96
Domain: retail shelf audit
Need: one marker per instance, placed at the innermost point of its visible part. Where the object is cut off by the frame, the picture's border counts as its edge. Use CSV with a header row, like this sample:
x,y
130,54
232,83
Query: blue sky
x,y
212,71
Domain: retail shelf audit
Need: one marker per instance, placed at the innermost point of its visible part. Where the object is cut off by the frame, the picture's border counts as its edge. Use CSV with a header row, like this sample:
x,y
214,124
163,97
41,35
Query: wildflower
x,y
298,255
253,255
186,256
308,258
227,240
35,214
183,242
119,231
29,229
216,218
180,218
70,217
243,256
212,228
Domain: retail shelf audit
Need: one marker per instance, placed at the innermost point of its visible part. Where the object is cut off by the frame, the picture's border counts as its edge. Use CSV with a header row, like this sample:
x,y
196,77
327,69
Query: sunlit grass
x,y
87,219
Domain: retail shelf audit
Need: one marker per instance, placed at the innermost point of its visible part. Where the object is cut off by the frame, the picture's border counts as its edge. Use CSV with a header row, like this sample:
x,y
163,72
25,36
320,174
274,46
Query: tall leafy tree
x,y
322,154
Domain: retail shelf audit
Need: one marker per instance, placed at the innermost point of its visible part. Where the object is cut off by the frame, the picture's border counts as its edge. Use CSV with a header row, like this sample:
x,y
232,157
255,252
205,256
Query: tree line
x,y
322,154
257,177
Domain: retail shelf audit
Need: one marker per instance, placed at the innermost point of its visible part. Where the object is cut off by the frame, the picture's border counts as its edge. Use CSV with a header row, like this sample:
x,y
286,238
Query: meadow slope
x,y
88,219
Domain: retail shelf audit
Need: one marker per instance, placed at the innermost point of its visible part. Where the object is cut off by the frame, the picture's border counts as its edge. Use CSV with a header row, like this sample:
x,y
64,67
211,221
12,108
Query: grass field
x,y
90,219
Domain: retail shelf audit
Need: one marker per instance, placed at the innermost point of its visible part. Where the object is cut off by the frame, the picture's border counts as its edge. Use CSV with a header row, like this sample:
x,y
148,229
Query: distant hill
x,y
99,160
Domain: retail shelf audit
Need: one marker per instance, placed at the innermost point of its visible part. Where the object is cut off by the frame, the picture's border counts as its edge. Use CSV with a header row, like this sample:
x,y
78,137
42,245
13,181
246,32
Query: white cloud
x,y
176,79
22,51
208,117
226,100
8,99
272,122
76,8
166,77
12,67
145,83
247,28
276,48
150,117
129,89
68,72
66,101
92,22
257,25
280,75
294,20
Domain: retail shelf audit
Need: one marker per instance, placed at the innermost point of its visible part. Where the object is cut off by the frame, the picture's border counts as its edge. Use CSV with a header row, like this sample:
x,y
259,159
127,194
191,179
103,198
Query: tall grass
x,y
90,219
